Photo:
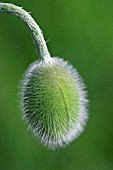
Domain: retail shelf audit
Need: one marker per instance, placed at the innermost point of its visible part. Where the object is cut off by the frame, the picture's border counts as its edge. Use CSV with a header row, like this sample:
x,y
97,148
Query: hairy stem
x,y
31,24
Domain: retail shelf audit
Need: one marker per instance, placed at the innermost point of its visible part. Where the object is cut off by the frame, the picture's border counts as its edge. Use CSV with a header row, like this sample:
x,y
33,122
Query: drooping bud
x,y
53,99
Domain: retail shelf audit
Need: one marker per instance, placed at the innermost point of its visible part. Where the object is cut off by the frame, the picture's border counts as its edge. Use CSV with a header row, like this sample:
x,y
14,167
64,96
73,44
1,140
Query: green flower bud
x,y
53,102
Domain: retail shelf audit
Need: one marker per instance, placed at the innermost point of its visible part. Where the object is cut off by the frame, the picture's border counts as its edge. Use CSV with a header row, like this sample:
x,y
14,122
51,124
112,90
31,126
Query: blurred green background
x,y
80,31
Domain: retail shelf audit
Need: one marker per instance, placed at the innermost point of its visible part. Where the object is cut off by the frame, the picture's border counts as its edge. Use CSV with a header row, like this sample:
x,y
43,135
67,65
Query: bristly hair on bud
x,y
52,96
54,102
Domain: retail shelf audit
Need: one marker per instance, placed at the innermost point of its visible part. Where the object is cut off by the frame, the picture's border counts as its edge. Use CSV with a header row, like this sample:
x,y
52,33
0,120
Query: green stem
x,y
31,24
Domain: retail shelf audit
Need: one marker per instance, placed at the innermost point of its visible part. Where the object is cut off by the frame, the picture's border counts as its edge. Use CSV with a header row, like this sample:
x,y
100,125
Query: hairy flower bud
x,y
53,102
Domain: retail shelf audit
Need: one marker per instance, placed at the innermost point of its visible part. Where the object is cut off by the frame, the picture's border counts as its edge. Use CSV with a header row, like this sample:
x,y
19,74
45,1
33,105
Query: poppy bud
x,y
53,101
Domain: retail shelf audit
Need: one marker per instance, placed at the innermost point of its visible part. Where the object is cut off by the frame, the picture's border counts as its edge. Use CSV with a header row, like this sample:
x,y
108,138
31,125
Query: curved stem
x,y
31,24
